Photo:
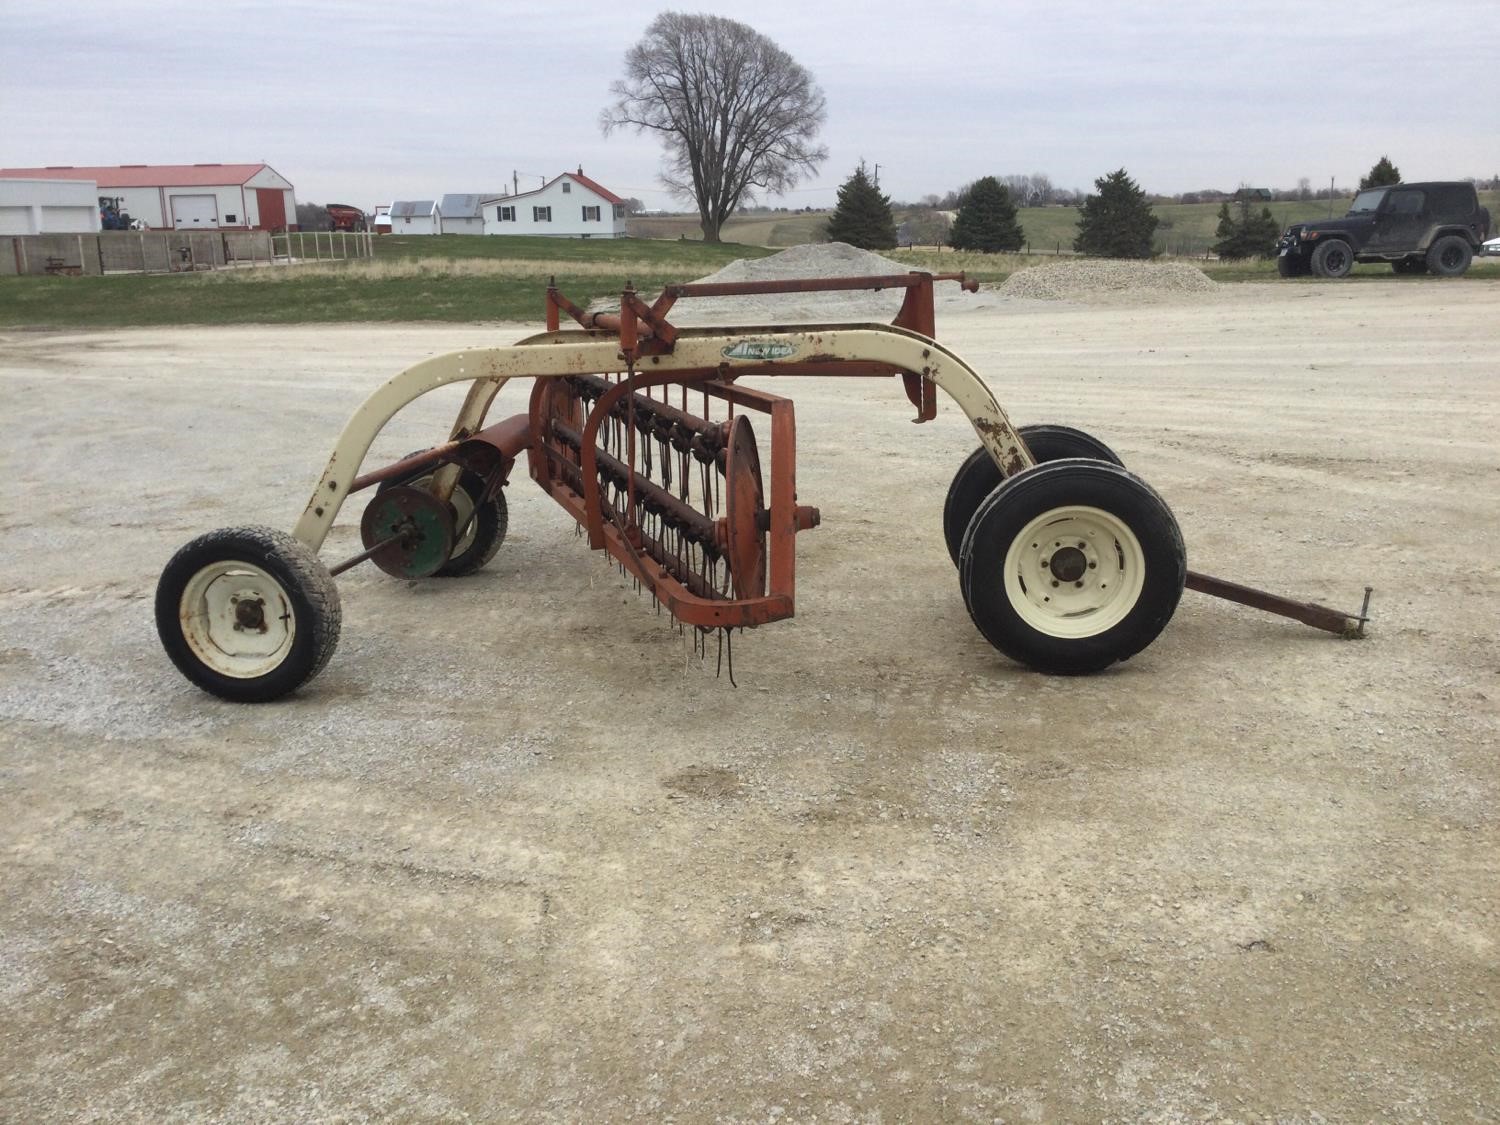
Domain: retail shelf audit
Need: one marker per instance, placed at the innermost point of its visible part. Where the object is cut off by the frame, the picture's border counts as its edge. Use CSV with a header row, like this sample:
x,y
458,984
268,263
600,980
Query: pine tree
x,y
1383,173
1251,236
862,217
1117,222
1226,234
987,219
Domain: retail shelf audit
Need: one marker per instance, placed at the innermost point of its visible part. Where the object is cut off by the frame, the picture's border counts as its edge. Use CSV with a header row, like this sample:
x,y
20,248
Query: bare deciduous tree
x,y
736,113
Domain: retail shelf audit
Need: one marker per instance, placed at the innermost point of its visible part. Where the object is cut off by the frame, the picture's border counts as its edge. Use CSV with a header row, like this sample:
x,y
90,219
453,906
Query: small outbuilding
x,y
186,196
568,206
415,216
461,214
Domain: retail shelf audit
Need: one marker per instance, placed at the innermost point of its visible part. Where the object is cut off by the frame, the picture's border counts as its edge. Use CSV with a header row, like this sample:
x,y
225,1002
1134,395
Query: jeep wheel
x,y
1449,256
1409,265
1333,259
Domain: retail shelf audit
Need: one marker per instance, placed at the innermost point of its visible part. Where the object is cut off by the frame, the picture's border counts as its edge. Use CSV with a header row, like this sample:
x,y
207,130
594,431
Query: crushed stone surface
x,y
1092,279
518,855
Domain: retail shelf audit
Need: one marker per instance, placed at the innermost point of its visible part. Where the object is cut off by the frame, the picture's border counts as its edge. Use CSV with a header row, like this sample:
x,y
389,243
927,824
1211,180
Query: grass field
x,y
466,279
1187,229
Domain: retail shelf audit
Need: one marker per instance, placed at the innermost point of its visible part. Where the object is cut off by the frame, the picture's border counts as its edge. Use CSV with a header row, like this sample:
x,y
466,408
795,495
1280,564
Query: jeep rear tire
x,y
1450,255
1333,259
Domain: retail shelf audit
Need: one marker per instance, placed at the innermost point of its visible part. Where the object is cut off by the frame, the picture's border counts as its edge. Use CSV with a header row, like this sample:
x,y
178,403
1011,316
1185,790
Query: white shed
x,y
187,196
48,206
569,206
415,216
461,213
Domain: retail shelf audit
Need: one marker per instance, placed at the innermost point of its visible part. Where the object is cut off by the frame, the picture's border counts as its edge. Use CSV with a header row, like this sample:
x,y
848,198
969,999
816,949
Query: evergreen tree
x,y
1382,174
1251,236
1117,222
1226,233
986,219
862,217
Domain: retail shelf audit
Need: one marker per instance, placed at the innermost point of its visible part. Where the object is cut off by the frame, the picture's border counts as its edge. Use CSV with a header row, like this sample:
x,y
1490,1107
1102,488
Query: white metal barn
x,y
461,214
569,206
188,196
48,206
415,216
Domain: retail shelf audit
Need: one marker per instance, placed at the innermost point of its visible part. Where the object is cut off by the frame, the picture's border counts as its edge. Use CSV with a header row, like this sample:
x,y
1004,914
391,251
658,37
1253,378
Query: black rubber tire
x,y
311,598
1449,256
1333,259
491,522
979,475
1409,265
1060,486
1292,265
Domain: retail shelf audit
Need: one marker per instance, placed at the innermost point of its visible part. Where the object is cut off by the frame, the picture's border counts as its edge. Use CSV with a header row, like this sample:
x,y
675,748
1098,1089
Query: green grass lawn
x,y
449,278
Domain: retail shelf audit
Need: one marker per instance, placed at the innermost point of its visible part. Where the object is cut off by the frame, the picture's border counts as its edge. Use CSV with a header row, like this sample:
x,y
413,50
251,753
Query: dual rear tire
x,y
1072,565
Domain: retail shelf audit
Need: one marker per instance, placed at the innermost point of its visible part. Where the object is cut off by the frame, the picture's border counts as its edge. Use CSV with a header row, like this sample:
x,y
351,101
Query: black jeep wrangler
x,y
1418,228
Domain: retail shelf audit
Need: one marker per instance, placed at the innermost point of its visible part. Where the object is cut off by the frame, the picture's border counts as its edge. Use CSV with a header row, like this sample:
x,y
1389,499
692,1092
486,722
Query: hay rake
x,y
645,434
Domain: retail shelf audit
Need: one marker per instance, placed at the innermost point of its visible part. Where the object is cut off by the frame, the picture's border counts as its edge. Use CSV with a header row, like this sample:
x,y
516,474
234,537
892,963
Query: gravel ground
x,y
518,855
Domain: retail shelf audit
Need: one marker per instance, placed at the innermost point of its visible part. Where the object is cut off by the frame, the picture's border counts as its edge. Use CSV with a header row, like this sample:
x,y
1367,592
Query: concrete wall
x,y
131,252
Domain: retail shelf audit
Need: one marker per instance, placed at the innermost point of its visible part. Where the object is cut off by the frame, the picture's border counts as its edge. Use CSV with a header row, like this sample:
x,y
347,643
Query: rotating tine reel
x,y
646,435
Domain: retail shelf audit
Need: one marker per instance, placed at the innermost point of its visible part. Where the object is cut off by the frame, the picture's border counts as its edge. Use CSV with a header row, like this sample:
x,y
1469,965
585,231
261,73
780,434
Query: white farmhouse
x,y
569,206
187,196
415,216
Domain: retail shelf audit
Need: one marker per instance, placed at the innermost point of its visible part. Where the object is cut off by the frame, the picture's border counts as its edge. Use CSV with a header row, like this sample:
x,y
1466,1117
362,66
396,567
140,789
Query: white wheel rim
x,y
1074,572
237,619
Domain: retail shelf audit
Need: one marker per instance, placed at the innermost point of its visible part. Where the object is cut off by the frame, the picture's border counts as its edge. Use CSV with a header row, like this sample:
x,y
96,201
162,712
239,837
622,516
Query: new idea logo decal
x,y
759,350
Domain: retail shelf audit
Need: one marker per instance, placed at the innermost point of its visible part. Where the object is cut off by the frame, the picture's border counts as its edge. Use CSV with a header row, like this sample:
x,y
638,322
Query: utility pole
x,y
877,175
1330,197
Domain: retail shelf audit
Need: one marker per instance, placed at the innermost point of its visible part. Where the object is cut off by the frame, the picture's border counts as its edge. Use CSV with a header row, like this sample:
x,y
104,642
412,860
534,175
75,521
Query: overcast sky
x,y
362,102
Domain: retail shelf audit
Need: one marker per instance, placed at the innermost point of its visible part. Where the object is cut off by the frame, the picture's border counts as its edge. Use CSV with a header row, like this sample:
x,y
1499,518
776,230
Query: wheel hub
x,y
1074,572
223,611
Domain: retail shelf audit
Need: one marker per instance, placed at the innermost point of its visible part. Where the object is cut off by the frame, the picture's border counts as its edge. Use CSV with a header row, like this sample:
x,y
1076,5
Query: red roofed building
x,y
569,206
187,196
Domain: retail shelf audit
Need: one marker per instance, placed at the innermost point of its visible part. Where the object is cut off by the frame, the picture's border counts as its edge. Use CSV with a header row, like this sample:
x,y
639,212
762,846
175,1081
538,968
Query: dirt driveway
x,y
517,854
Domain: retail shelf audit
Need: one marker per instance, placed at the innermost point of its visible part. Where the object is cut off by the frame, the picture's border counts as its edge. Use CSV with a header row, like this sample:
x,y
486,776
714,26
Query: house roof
x,y
578,177
411,208
463,206
144,175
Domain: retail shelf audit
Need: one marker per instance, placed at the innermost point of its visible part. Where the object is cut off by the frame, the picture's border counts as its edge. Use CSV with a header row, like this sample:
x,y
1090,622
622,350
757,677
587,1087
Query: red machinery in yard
x,y
343,217
642,431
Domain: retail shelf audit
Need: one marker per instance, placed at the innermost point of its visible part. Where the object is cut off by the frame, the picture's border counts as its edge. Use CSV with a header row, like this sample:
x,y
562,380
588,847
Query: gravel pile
x,y
813,260
1093,279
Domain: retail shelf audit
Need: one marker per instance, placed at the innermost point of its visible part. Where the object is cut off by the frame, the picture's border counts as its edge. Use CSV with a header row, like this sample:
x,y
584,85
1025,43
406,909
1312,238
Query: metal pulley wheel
x,y
415,527
744,520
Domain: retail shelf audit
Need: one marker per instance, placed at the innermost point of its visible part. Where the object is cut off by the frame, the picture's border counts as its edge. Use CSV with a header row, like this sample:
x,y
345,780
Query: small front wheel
x,y
247,613
1072,565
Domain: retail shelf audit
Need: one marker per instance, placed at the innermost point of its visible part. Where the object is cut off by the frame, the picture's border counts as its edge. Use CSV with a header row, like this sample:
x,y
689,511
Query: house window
x,y
567,187
541,214
619,210
591,214
230,219
505,215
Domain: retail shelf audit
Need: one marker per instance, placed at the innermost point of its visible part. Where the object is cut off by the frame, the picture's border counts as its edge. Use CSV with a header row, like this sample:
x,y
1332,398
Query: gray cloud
x,y
373,100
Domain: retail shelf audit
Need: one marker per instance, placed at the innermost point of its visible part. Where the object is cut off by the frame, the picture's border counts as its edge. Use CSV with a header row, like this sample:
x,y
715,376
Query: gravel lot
x,y
517,854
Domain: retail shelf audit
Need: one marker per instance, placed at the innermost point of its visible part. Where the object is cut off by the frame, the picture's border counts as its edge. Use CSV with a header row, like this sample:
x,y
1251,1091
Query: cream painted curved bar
x,y
552,355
